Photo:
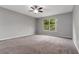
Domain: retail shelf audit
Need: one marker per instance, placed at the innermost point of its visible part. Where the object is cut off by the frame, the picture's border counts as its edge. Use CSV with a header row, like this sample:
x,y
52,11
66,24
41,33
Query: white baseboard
x,y
15,37
76,46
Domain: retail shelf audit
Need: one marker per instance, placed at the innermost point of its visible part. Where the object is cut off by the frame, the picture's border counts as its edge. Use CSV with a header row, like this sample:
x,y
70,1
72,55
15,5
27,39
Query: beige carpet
x,y
37,44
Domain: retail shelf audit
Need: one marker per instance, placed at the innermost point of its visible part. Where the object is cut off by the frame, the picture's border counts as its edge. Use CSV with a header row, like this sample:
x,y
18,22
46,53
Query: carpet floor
x,y
37,44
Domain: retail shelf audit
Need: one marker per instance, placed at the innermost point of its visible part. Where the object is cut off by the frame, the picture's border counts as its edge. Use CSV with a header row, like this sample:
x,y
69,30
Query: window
x,y
49,24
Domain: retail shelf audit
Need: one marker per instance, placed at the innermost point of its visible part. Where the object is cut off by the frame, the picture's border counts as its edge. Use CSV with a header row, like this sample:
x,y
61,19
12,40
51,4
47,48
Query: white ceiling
x,y
48,9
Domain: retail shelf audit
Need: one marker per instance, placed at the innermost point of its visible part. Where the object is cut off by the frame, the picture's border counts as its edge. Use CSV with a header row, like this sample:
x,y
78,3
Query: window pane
x,y
52,21
52,27
52,24
46,24
46,27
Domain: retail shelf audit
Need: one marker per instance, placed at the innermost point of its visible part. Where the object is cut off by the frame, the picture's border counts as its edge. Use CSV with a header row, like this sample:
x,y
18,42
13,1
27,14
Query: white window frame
x,y
49,26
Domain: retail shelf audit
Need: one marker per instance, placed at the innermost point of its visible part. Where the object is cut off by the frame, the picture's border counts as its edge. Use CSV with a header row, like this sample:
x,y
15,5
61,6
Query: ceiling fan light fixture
x,y
35,11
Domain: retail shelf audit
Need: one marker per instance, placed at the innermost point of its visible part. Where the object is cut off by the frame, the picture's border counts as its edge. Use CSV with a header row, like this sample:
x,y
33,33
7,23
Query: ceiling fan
x,y
36,9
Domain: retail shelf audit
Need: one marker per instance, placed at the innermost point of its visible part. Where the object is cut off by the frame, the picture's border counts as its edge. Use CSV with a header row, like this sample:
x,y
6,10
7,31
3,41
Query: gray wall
x,y
64,26
76,26
13,24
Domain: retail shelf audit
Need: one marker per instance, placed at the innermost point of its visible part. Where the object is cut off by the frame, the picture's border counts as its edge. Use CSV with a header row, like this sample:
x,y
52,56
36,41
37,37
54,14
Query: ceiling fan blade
x,y
30,10
32,7
40,11
35,6
40,8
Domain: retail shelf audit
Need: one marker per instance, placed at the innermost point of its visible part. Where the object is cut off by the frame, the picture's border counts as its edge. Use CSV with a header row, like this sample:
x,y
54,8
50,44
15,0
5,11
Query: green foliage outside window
x,y
46,24
49,24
